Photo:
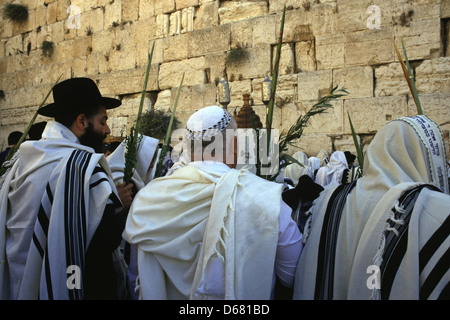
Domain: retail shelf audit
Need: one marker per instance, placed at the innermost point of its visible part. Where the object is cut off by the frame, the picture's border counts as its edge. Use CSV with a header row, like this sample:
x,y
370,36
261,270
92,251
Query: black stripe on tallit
x,y
396,246
96,183
445,293
435,276
48,277
327,244
75,215
43,222
435,241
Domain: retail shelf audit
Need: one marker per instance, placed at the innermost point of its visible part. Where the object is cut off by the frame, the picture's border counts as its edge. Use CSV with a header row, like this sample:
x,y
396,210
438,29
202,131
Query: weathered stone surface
x,y
230,11
357,80
256,64
314,84
207,15
170,73
330,51
390,80
369,114
433,76
369,47
305,56
208,41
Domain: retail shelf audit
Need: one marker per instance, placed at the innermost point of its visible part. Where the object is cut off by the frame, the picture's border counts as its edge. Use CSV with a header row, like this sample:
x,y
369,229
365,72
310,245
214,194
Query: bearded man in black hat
x,y
62,211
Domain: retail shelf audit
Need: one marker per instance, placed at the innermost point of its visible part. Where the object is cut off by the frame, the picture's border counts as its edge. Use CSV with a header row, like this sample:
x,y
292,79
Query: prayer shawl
x,y
206,233
20,202
294,171
36,162
331,174
360,241
71,210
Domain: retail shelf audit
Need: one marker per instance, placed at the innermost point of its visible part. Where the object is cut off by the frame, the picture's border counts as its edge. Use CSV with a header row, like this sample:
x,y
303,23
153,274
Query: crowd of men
x,y
71,228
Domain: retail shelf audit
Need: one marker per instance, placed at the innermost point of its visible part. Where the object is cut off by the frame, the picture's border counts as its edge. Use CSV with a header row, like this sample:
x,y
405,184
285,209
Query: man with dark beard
x,y
61,213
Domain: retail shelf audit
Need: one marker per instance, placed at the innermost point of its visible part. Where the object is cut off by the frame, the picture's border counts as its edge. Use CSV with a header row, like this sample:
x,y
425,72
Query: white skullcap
x,y
207,122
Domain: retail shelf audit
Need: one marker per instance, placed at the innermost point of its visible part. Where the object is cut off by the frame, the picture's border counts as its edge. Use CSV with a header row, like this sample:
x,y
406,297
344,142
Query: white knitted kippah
x,y
207,122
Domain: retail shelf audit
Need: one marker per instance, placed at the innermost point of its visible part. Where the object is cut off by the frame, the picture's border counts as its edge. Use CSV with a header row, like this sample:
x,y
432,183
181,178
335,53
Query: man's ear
x,y
81,122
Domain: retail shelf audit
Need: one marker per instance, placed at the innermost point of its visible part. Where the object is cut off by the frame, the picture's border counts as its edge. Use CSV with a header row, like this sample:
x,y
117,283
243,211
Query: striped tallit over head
x,y
71,209
400,199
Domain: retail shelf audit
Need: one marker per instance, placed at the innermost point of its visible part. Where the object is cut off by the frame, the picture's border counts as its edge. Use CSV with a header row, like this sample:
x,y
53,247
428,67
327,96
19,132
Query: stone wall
x,y
327,43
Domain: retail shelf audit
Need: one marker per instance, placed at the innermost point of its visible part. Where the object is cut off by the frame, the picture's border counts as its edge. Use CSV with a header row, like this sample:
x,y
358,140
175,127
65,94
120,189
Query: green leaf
x,y
357,145
165,147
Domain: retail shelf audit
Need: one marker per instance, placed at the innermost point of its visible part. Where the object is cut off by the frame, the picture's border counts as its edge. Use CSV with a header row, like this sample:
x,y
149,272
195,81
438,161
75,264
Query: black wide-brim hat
x,y
76,94
306,190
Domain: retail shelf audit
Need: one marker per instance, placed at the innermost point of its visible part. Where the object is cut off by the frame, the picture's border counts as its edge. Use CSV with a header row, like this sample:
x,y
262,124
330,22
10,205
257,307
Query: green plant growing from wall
x,y
15,12
154,123
47,48
236,55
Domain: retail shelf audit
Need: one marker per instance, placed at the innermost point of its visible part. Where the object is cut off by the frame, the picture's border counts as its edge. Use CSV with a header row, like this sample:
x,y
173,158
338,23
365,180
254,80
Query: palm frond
x,y
296,130
357,145
133,140
409,77
165,147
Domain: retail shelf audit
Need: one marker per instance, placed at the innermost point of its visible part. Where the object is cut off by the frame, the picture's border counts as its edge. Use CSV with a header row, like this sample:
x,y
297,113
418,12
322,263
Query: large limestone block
x,y
170,73
127,81
237,90
370,114
123,57
130,10
264,29
180,4
330,51
256,64
390,80
357,80
113,14
230,11
305,56
203,95
175,47
102,41
287,59
207,41
164,6
314,84
369,47
329,122
206,15
215,67
434,105
433,75
241,34
422,38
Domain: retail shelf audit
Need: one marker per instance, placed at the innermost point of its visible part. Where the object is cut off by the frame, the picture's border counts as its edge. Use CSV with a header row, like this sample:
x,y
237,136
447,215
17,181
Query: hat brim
x,y
53,109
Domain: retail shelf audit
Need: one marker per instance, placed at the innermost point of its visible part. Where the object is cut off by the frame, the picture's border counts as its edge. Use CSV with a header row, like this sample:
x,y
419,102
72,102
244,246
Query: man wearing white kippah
x,y
208,230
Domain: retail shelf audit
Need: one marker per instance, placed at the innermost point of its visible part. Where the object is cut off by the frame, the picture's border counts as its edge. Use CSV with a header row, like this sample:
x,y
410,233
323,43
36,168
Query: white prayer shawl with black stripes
x,y
349,234
20,198
72,207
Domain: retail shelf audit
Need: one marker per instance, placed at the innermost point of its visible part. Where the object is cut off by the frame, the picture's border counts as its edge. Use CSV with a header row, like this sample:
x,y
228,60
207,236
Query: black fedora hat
x,y
306,190
76,94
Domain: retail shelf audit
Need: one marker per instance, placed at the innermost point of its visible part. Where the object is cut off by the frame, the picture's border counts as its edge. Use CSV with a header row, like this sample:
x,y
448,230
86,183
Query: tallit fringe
x,y
8,164
378,258
220,248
